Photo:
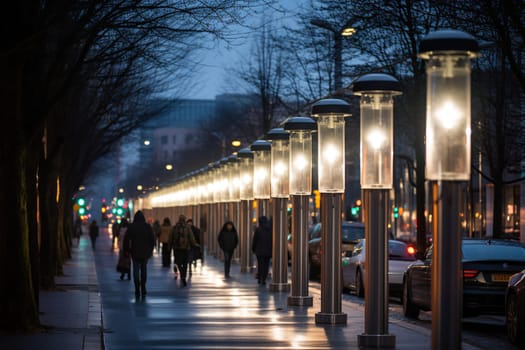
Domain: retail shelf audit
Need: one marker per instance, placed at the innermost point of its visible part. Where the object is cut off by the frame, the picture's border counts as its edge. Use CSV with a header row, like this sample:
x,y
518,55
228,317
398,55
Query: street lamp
x,y
300,129
338,34
330,114
280,159
447,54
377,140
261,174
246,196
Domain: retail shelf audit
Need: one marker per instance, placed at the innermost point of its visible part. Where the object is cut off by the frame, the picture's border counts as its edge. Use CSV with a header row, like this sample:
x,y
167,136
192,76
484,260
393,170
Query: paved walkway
x,y
210,313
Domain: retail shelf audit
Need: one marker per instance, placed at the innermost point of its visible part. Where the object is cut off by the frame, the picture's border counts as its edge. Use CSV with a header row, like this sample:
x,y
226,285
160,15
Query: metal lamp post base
x,y
279,287
329,318
376,340
300,301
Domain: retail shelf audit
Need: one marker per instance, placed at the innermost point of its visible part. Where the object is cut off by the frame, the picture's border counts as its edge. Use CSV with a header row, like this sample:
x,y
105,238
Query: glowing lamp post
x,y
447,54
330,114
280,159
300,129
377,140
246,196
261,174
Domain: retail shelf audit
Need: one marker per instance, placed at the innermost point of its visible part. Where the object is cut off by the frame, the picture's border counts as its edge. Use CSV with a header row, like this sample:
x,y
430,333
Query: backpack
x,y
180,237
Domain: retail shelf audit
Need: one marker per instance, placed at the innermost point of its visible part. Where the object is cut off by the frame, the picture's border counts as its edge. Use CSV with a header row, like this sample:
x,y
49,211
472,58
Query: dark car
x,y
487,267
515,308
351,233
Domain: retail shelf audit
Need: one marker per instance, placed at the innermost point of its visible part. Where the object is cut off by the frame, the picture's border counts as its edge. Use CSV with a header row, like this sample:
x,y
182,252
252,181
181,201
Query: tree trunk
x,y
48,210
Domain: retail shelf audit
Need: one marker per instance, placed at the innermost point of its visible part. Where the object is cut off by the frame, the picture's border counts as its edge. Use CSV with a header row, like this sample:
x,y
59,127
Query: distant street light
x,y
330,115
236,143
338,33
300,129
447,54
139,187
121,190
169,167
377,151
280,161
147,142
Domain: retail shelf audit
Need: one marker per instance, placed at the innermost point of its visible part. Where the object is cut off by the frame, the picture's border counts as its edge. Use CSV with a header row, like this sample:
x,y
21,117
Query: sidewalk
x,y
72,314
210,313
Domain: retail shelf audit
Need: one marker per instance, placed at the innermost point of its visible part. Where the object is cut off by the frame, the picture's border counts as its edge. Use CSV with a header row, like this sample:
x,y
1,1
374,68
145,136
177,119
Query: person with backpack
x,y
182,241
139,242
165,232
195,252
228,241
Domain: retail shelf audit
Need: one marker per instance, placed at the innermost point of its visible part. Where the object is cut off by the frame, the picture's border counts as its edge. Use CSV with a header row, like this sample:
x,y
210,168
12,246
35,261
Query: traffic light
x,y
356,208
317,199
80,206
120,209
396,212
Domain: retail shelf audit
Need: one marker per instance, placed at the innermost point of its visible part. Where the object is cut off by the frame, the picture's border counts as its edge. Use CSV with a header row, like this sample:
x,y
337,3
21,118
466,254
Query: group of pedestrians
x,y
138,240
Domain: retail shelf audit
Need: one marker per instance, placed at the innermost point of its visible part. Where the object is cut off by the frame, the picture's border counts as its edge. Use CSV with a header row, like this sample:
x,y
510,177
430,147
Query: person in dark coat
x,y
139,242
182,241
228,241
262,248
196,252
93,233
165,232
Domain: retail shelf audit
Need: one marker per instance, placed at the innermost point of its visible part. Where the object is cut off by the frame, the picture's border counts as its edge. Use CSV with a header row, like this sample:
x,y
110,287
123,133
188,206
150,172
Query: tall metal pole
x,y
331,204
447,288
376,273
299,292
279,249
244,236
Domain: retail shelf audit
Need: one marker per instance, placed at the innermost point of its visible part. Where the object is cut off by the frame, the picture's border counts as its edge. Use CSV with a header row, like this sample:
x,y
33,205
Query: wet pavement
x,y
93,309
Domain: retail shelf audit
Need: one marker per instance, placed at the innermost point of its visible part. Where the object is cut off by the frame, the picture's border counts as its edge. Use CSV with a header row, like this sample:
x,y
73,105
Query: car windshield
x,y
353,233
493,250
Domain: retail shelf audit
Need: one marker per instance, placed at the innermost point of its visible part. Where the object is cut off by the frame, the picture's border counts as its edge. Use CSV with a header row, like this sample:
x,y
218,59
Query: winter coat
x,y
139,240
262,238
228,240
187,240
93,230
165,232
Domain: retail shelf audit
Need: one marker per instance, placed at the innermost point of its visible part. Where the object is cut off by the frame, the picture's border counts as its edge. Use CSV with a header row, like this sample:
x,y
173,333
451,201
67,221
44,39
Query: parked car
x,y
400,256
351,233
487,268
515,308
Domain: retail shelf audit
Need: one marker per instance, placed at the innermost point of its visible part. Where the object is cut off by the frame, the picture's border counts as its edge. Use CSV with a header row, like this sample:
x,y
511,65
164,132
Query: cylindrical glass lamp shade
x,y
280,159
261,169
233,174
377,140
448,133
300,129
331,115
377,128
246,174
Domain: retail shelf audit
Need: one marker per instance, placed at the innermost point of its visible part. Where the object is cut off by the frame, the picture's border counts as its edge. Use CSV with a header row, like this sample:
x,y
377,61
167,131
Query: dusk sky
x,y
216,64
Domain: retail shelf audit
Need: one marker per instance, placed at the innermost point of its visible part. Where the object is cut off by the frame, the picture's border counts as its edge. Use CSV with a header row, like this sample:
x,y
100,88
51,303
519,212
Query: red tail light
x,y
411,250
470,273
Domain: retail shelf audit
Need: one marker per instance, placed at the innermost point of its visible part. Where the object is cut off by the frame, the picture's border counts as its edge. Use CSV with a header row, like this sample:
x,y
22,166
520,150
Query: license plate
x,y
501,277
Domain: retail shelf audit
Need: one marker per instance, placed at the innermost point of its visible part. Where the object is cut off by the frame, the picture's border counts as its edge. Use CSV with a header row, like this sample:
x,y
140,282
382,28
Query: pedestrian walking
x,y
262,248
115,232
139,242
228,241
165,232
93,233
195,253
124,259
182,240
156,232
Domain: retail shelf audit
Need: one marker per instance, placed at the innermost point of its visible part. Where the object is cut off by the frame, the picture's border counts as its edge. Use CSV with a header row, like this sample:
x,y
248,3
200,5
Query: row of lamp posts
x,y
274,172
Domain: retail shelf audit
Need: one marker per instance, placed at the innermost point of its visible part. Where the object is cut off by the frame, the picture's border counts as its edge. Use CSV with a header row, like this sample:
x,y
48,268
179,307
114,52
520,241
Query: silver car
x,y
400,256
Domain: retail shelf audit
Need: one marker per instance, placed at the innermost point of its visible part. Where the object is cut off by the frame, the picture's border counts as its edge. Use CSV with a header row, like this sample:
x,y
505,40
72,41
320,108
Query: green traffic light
x,y
81,211
120,202
354,211
120,211
81,202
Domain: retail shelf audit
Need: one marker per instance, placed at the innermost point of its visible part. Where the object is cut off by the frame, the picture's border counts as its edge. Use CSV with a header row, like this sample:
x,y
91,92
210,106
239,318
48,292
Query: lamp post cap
x,y
245,153
448,40
376,82
278,134
300,123
232,158
261,145
331,106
